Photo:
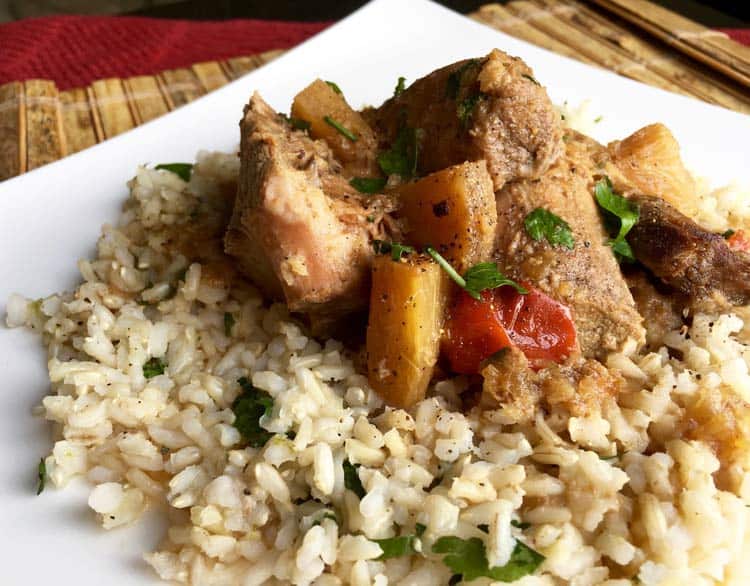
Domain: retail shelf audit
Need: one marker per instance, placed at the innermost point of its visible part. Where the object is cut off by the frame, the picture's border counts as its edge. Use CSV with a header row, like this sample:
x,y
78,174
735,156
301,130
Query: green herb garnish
x,y
598,119
42,474
335,87
419,529
397,250
154,367
400,87
543,224
394,547
520,524
368,184
328,515
465,108
401,158
623,210
728,234
453,85
182,170
530,78
351,479
228,323
341,130
469,558
478,278
249,407
299,124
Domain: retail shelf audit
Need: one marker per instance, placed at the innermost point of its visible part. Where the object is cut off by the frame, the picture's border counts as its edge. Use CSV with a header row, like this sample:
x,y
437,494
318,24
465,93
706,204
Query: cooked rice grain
x,y
637,491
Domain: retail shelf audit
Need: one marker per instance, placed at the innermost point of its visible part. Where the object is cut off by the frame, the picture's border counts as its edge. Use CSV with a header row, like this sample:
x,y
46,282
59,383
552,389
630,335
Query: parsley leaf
x,y
394,547
182,170
249,407
468,557
520,524
228,323
454,79
400,86
341,130
543,224
154,367
478,278
335,87
465,108
419,529
401,158
296,123
42,473
728,234
622,209
486,276
397,250
351,479
368,184
327,515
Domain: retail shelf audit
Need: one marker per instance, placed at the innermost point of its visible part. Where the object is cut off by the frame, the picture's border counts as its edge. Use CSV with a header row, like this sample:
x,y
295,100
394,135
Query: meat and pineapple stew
x,y
481,236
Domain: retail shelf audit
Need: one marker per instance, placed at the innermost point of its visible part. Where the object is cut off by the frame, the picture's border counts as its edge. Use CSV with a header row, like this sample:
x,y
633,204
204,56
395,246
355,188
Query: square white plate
x,y
51,217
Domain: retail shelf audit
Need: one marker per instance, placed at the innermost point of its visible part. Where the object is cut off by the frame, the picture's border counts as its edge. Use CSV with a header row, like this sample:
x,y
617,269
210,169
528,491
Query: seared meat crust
x,y
684,255
490,108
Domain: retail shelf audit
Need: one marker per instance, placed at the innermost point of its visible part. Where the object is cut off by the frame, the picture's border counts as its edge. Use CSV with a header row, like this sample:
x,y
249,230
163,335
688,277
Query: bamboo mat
x,y
637,39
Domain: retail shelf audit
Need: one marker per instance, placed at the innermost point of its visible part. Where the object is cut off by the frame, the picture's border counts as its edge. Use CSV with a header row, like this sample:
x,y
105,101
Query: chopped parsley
x,y
400,87
397,250
182,170
335,87
728,234
469,558
368,184
531,78
598,119
154,367
351,479
394,547
478,278
453,85
401,159
42,474
249,407
297,123
543,224
341,129
228,324
520,524
619,208
327,515
465,108
419,529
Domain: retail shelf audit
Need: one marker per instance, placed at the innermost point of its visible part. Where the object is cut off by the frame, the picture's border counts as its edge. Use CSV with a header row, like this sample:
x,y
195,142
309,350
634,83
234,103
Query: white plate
x,y
51,217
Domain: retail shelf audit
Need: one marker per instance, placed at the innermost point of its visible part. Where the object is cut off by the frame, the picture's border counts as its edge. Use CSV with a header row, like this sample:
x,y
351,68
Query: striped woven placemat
x,y
637,39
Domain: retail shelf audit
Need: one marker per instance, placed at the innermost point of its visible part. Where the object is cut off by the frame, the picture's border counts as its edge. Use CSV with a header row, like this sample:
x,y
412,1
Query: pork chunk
x,y
490,108
298,230
587,278
687,257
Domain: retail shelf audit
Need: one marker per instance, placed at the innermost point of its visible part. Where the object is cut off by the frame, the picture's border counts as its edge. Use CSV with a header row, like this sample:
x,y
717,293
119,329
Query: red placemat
x,y
73,51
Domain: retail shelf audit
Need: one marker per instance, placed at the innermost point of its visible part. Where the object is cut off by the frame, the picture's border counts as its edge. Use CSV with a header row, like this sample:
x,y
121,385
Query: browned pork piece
x,y
298,229
587,278
647,168
490,108
684,255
